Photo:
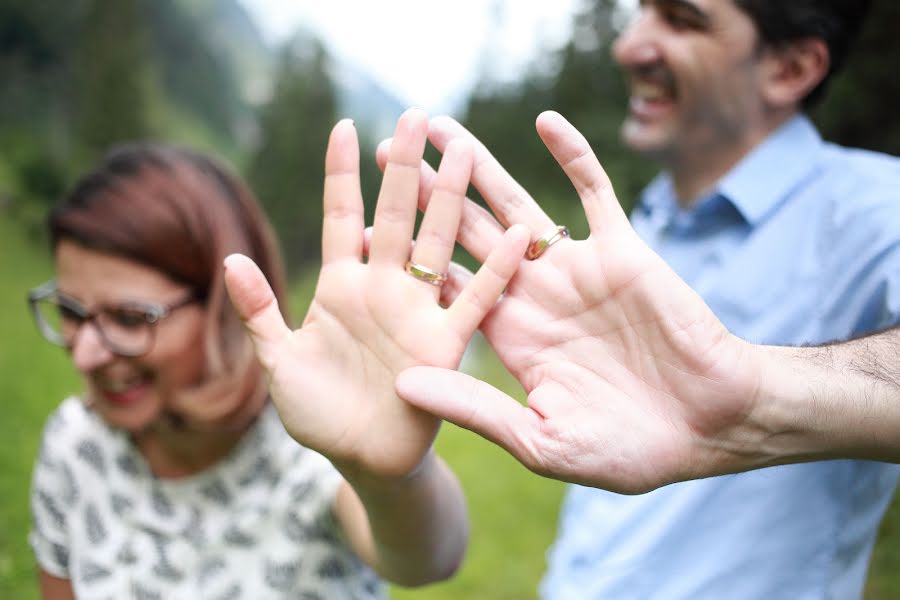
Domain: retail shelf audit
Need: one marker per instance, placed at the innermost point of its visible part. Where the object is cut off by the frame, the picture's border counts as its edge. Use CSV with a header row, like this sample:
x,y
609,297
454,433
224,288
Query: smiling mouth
x,y
651,92
652,88
121,391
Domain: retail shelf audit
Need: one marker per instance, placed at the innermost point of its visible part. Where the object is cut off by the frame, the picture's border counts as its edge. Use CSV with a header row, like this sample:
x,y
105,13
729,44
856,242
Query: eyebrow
x,y
701,17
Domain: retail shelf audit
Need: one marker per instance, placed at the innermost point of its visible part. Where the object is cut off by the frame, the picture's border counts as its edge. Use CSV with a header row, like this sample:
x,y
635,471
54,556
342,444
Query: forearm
x,y
835,401
411,531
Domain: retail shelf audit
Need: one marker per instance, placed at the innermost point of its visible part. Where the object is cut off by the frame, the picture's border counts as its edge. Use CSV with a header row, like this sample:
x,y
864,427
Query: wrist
x,y
820,406
369,483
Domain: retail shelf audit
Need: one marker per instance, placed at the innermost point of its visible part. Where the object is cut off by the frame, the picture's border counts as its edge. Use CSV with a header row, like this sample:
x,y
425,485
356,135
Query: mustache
x,y
657,74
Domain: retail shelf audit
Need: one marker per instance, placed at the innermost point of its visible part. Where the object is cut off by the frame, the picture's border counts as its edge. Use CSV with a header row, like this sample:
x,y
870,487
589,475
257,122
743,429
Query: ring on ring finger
x,y
423,273
540,245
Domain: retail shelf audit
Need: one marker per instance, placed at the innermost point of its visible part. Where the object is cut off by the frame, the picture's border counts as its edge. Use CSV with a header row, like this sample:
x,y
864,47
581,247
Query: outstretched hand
x,y
332,380
632,382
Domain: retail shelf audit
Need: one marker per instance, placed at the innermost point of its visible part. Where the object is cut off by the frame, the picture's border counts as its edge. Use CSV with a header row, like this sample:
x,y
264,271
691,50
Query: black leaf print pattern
x,y
91,572
372,584
139,592
61,555
209,568
120,504
281,576
69,492
217,491
161,504
236,537
126,555
164,569
90,452
96,530
127,464
332,568
195,531
232,593
261,470
301,532
48,503
300,491
296,530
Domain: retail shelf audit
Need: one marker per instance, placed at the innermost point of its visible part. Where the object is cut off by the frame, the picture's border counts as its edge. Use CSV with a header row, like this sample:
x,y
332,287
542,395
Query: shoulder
x,y
859,181
75,440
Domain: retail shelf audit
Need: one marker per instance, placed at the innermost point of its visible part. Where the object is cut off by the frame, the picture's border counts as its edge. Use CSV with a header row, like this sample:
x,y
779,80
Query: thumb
x,y
474,405
256,305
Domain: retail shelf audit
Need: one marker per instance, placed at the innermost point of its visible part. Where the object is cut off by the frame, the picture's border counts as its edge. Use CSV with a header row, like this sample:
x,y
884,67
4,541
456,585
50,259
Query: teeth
x,y
117,387
649,91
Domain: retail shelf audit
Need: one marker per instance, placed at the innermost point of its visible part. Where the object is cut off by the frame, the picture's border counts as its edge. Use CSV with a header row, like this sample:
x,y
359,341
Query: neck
x,y
696,171
174,449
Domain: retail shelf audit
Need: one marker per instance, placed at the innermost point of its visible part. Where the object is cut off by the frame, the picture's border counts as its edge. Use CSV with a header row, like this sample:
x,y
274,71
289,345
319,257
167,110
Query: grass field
x,y
513,512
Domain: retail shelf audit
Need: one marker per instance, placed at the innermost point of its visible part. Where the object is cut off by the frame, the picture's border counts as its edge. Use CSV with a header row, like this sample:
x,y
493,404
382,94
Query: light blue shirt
x,y
799,243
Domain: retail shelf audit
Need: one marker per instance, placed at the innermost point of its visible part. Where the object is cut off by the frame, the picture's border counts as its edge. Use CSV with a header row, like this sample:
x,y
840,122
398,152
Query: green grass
x,y
35,377
513,512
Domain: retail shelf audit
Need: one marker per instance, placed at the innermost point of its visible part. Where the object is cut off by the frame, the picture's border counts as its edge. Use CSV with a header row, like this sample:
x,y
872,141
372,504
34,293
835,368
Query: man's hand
x,y
632,382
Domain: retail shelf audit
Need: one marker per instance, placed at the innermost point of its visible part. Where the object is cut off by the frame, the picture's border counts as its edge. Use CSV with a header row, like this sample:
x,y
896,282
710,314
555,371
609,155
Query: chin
x,y
132,419
645,140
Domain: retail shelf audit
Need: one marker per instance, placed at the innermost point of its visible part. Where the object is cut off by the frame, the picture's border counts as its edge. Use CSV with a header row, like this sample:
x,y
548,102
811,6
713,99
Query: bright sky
x,y
424,51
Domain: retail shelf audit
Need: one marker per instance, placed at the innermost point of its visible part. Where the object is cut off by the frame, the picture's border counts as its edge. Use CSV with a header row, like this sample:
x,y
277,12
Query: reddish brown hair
x,y
179,212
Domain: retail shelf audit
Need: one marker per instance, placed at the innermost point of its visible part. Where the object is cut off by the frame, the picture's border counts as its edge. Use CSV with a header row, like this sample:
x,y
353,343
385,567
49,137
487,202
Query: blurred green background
x,y
81,75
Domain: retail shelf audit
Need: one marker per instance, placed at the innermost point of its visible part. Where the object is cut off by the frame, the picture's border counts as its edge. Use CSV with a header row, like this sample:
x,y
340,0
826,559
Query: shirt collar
x,y
764,178
760,181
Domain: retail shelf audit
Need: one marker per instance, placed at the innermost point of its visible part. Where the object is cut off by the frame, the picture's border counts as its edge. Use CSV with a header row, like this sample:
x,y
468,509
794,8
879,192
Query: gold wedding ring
x,y
540,245
423,273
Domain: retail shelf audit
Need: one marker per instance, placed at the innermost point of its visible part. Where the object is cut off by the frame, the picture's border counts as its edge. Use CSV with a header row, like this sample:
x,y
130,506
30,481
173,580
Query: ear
x,y
793,71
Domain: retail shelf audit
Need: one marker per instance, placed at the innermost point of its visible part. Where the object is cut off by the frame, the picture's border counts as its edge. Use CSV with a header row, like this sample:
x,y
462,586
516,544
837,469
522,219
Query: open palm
x,y
332,380
631,380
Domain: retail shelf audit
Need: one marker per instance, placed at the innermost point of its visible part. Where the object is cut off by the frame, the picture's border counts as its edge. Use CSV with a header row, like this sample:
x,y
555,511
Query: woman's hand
x,y
332,380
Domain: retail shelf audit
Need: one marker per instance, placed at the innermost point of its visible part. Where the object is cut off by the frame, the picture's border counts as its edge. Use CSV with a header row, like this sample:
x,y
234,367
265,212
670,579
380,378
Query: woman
x,y
173,476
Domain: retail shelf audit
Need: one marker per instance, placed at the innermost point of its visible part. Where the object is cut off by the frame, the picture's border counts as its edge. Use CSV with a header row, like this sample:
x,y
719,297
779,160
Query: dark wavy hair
x,y
836,22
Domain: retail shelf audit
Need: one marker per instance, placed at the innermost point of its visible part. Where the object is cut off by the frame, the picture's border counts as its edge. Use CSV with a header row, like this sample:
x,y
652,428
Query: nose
x,y
637,44
88,350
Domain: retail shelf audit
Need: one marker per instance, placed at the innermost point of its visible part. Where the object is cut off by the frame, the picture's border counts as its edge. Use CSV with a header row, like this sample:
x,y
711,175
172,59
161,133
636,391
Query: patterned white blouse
x,y
257,525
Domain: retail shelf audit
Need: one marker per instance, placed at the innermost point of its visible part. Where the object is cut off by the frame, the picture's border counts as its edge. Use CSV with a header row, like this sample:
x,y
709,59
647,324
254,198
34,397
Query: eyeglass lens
x,y
125,330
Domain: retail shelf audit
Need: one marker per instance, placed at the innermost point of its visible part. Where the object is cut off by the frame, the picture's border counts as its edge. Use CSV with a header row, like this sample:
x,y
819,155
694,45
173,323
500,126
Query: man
x,y
788,239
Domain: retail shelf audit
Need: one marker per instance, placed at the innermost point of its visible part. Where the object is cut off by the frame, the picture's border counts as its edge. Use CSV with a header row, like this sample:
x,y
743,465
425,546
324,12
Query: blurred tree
x,y
286,171
581,81
82,74
861,107
116,85
35,42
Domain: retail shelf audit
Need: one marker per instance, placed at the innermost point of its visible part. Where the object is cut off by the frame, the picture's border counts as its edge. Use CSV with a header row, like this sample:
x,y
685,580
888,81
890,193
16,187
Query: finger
x,y
367,240
483,291
437,234
256,305
472,404
458,277
508,200
478,231
572,151
395,213
343,219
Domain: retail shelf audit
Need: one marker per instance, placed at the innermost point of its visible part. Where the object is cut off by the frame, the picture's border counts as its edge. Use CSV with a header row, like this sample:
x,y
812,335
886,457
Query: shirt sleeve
x,y
52,497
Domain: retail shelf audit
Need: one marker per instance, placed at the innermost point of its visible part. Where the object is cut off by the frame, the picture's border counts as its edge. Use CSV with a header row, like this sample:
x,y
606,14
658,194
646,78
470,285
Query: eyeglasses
x,y
127,329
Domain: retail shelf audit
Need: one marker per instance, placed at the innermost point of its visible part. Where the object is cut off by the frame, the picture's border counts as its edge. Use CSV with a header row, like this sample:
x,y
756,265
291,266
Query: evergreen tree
x,y
288,167
115,86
